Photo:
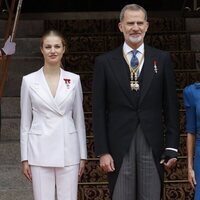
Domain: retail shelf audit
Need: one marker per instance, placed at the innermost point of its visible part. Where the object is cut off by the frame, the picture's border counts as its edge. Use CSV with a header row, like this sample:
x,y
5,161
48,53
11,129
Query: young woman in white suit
x,y
53,139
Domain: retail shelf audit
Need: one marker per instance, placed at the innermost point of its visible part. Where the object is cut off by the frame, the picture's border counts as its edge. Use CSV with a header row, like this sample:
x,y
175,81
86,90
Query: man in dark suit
x,y
134,101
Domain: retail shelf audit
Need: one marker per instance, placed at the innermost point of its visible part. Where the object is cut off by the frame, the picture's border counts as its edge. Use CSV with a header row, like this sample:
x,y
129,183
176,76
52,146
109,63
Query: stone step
x,y
16,194
25,28
25,64
9,153
19,67
30,28
11,177
10,129
26,46
191,24
195,42
16,70
10,107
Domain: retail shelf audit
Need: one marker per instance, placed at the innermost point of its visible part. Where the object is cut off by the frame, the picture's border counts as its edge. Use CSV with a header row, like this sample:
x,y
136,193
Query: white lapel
x,y
64,89
41,88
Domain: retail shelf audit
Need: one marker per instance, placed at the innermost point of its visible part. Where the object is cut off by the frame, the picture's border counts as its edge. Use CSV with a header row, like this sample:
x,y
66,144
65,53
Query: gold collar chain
x,y
134,83
136,68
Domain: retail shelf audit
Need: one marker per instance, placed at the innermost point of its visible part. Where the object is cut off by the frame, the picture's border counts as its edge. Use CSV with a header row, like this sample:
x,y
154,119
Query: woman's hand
x,y
81,168
27,170
191,178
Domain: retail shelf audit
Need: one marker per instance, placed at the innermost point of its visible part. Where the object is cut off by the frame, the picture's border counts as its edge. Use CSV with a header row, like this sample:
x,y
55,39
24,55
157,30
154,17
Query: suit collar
x,y
127,49
119,68
64,88
41,88
148,72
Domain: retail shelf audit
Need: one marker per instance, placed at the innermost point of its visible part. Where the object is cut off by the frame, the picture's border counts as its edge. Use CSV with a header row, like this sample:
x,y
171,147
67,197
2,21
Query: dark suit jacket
x,y
115,116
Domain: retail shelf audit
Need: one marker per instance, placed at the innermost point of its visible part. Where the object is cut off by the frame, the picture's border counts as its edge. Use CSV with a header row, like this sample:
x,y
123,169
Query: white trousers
x,y
49,182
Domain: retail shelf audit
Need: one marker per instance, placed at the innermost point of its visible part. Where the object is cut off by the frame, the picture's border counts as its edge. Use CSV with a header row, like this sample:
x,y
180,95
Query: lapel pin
x,y
67,82
155,67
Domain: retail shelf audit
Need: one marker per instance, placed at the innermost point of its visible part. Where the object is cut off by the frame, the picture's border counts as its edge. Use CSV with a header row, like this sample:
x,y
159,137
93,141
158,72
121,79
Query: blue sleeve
x,y
190,110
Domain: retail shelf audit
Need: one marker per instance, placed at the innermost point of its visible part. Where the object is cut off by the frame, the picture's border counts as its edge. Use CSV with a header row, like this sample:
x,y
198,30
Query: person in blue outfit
x,y
192,105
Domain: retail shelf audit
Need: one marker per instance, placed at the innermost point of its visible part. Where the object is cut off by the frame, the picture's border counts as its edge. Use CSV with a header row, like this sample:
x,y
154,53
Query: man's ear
x,y
120,26
147,26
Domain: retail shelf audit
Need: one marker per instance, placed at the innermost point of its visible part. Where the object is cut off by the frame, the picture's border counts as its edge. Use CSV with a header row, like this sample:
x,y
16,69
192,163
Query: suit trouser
x,y
138,178
48,181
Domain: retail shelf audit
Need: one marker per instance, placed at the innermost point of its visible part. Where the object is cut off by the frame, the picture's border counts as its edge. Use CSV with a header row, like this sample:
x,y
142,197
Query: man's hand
x,y
107,163
170,163
169,158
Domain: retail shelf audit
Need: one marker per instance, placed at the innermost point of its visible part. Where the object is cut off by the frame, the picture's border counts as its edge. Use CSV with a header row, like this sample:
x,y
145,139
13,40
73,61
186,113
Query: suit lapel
x,y
41,88
63,92
119,68
148,72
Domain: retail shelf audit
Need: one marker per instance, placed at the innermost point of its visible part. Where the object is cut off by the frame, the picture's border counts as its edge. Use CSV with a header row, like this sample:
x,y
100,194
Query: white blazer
x,y
52,129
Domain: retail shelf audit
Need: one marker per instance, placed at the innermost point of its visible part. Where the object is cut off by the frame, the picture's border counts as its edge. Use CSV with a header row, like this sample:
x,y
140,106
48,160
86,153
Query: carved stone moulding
x,y
100,191
186,77
157,24
93,173
93,192
102,43
178,173
178,191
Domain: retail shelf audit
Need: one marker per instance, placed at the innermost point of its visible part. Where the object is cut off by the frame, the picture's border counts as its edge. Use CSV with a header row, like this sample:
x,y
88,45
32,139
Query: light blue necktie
x,y
134,59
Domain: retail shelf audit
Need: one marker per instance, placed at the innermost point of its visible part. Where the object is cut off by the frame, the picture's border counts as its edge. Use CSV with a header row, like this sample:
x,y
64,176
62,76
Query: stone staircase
x,y
88,35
